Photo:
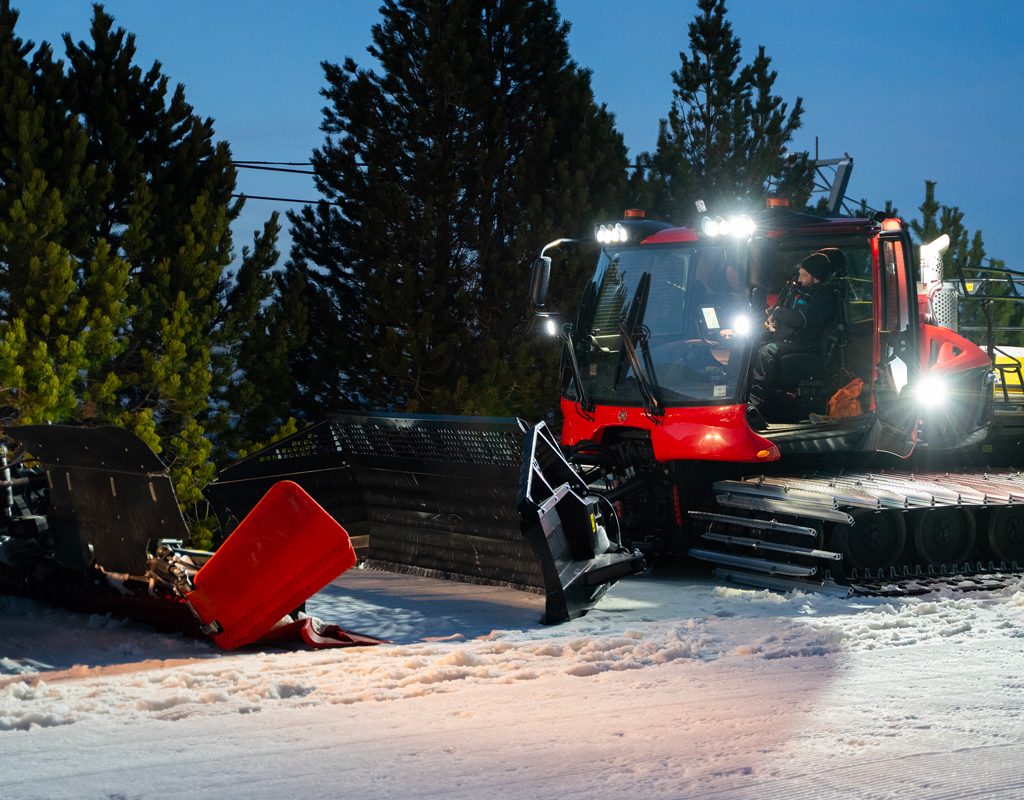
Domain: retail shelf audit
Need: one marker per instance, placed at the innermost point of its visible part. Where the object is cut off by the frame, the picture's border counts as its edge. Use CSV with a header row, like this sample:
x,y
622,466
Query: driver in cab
x,y
795,326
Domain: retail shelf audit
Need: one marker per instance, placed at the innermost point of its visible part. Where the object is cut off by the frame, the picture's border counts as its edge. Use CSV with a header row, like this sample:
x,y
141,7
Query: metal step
x,y
760,544
756,564
799,488
776,489
885,498
898,490
758,524
760,581
789,508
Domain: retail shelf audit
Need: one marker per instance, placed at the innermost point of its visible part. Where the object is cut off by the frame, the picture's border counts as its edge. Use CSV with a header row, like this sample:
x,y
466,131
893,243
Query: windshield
x,y
687,311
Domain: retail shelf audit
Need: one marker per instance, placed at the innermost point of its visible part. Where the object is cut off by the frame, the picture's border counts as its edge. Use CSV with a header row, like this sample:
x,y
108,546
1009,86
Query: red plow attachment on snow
x,y
95,526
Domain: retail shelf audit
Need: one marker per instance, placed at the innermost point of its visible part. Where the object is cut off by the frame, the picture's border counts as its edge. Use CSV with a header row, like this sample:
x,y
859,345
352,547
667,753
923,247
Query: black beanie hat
x,y
836,259
818,265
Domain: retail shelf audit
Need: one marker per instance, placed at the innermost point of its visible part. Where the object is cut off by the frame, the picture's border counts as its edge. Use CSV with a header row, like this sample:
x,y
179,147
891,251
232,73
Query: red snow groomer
x,y
657,455
881,464
868,466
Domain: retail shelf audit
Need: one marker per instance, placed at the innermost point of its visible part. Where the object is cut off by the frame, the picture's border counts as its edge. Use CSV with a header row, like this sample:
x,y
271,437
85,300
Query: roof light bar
x,y
611,234
741,227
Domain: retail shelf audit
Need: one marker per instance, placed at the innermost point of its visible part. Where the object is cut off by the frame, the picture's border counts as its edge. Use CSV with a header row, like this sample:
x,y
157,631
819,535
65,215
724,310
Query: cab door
x,y
895,347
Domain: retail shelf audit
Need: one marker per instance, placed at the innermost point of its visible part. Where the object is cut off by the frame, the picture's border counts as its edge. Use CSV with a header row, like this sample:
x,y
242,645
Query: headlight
x,y
710,226
932,391
744,227
740,227
551,327
606,234
741,326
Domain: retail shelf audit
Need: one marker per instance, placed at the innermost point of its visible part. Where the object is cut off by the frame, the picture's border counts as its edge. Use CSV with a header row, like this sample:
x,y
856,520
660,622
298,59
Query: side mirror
x,y
539,280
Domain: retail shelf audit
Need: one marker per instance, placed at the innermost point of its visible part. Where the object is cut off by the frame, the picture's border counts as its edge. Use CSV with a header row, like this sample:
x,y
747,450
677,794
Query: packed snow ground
x,y
676,686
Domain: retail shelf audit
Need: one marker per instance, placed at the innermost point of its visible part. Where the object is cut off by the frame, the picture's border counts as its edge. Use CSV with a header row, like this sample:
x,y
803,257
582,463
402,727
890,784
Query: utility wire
x,y
284,199
240,165
279,166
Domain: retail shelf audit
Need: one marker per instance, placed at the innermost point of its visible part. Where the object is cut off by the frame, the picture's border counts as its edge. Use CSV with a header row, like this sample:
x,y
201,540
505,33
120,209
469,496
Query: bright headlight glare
x,y
932,391
741,325
710,226
552,327
724,227
621,231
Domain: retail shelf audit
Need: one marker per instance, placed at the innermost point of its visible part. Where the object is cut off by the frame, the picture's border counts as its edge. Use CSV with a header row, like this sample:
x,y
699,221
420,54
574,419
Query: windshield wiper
x,y
652,406
634,320
582,398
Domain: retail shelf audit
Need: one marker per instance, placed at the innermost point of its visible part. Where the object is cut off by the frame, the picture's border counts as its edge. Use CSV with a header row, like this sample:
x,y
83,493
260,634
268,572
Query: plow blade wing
x,y
110,495
424,494
560,521
287,549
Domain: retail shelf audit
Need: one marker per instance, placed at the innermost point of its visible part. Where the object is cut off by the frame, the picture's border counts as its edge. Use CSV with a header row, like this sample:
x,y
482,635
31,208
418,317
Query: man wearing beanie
x,y
796,328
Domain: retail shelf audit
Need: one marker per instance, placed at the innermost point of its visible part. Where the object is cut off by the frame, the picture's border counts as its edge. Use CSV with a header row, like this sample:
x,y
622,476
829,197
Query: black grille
x,y
427,440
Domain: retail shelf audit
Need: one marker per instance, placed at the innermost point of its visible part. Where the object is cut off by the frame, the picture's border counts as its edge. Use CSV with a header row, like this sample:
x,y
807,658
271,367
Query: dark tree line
x,y
474,141
116,302
471,141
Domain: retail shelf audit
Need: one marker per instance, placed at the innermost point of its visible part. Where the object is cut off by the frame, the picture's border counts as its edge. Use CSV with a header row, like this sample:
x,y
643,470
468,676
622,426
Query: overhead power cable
x,y
284,199
240,165
276,163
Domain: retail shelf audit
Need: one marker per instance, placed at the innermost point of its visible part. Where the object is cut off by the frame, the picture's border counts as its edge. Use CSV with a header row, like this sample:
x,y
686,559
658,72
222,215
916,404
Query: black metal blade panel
x,y
109,494
334,489
440,493
114,513
107,447
435,492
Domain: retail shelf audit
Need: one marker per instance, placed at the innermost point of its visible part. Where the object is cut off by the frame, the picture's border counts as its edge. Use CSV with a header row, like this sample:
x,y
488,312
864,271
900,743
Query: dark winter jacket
x,y
806,316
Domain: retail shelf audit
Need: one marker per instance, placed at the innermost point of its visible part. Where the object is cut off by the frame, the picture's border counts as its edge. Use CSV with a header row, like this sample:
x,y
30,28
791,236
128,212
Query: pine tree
x,y
478,142
260,337
726,134
969,252
116,306
59,331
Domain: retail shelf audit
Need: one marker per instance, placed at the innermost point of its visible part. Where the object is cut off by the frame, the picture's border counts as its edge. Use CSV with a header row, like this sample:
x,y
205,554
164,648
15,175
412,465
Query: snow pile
x,y
244,683
441,645
942,615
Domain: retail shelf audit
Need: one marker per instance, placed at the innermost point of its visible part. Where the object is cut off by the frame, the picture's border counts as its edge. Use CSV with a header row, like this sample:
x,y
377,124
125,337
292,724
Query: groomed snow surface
x,y
675,686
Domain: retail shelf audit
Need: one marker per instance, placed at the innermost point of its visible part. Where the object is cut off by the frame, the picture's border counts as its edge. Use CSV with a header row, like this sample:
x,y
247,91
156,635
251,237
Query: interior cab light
x,y
892,224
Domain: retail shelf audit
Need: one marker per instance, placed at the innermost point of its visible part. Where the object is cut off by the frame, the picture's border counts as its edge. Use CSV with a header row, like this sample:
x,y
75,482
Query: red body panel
x,y
875,348
285,550
955,353
672,235
714,433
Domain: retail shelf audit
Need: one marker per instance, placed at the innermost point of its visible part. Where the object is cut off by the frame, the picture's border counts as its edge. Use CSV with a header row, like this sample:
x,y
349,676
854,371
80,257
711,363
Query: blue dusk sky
x,y
911,90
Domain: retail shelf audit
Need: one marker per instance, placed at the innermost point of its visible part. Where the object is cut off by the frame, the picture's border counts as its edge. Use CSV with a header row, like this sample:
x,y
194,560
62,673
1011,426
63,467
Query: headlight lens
x,y
741,227
932,391
551,326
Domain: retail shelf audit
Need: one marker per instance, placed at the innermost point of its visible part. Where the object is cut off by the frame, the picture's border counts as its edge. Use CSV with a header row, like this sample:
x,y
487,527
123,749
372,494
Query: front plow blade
x,y
560,521
287,549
